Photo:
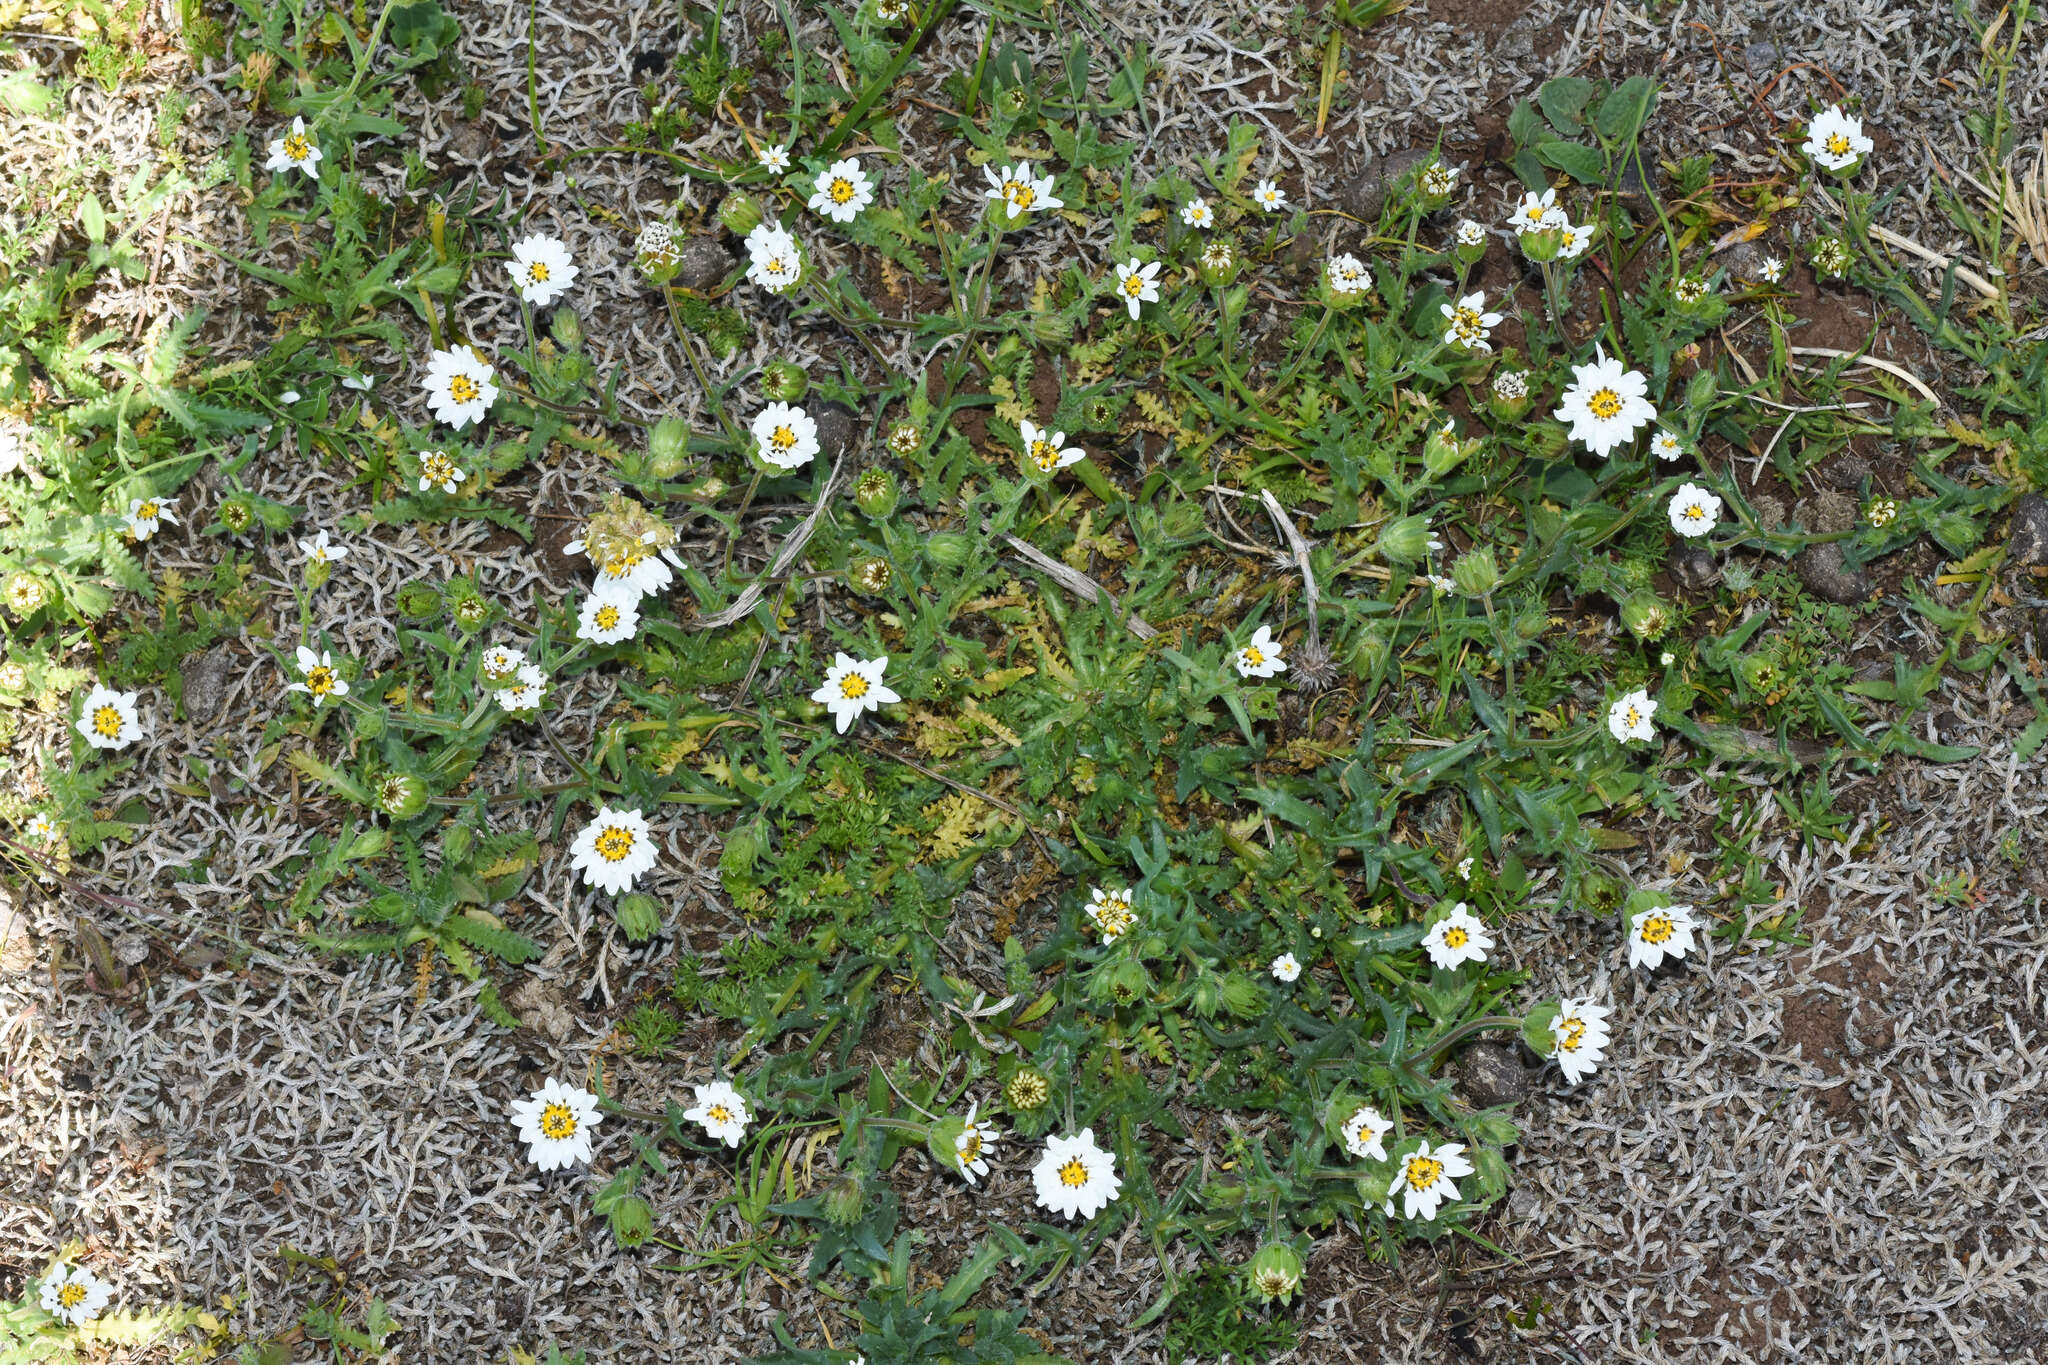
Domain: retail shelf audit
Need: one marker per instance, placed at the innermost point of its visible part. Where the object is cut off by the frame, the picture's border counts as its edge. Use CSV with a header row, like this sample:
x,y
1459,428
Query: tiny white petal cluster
x,y
1110,911
294,151
721,1112
1835,140
145,516
1286,967
1468,324
774,260
976,1140
853,687
321,550
1269,196
1019,190
1660,932
1196,213
1347,275
606,620
773,157
1629,717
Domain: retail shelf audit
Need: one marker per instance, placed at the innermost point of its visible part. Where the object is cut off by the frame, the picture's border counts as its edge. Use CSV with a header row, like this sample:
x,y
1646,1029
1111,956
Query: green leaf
x,y
1583,164
1626,109
1564,99
1523,125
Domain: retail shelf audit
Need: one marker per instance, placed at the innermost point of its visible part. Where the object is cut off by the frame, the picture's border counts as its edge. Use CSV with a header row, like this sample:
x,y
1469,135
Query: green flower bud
x,y
1275,1273
238,512
1759,674
1123,981
26,593
1546,440
744,846
845,1200
1646,617
1476,573
1219,263
1531,625
1444,452
638,915
1541,246
1600,891
783,382
948,549
668,447
869,575
419,601
632,1221
317,574
740,212
472,613
941,1139
1371,653
1243,996
1405,540
1052,327
401,795
1027,1090
566,327
1207,996
905,439
874,492
1536,1028
1701,391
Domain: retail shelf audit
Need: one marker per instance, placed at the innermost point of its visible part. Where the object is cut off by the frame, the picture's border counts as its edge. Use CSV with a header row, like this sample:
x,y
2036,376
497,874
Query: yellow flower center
x,y
1023,196
320,680
1455,937
1633,717
537,272
853,687
558,1121
1045,455
1134,285
1604,404
1073,1174
462,388
438,469
623,563
1658,929
146,512
607,617
1693,512
71,1295
969,1147
614,843
107,721
841,191
782,438
1253,656
1466,320
297,147
1837,144
1574,1034
777,266
1424,1171
718,1113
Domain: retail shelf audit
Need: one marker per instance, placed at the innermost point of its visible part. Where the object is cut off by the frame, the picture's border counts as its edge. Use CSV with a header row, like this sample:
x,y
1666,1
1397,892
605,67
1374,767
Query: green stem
x,y
1459,1035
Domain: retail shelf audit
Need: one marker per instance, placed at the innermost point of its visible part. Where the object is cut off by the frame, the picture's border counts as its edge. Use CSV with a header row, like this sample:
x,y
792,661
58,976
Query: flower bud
x,y
419,601
1546,440
1243,996
1027,1090
1219,263
1536,1028
26,593
1405,540
1476,573
1646,617
566,327
1052,327
740,212
668,447
655,253
783,382
472,613
1275,1273
870,575
632,1221
1123,981
401,795
1541,246
1444,452
238,512
845,1200
317,574
948,549
942,1142
1508,395
1371,653
905,439
874,492
639,915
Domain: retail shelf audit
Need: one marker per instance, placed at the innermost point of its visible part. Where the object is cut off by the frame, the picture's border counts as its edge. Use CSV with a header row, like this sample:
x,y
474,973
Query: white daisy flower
x,y
1470,233
1348,275
1835,140
1269,196
1468,324
1286,967
1580,1031
1465,869
613,850
1666,446
1260,657
1426,1178
1438,180
1457,938
1075,1178
460,387
632,573
500,663
146,515
785,436
774,260
1528,216
1111,912
1137,283
555,1124
529,685
721,1112
541,269
1573,239
318,550
1694,510
294,151
1441,582
1196,213
1606,404
1771,271
438,471
1018,188
321,683
972,1147
1046,450
1660,932
1629,717
1363,1131
843,190
892,11
74,1295
607,620
41,828
852,687
773,157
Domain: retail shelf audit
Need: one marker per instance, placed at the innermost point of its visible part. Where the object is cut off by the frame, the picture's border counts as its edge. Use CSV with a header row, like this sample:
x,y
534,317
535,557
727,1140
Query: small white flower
x,y
1269,196
1666,446
721,1112
607,620
892,11
438,471
294,151
977,1139
1347,275
1075,1178
1363,1132
108,719
1260,657
1629,717
16,443
41,828
1137,283
1689,289
1046,450
1470,233
1580,1033
460,387
1528,216
529,685
555,1124
1468,324
773,157
1573,239
321,683
1465,869
318,550
1216,256
1771,271
1023,192
1835,140
1441,582
853,687
1606,404
1667,658
1111,912
1457,938
613,850
288,397
1694,510
500,663
145,516
1511,384
1426,1178
774,260
785,436
541,269
1196,213
842,191
1438,180
1286,967
1660,932
74,1295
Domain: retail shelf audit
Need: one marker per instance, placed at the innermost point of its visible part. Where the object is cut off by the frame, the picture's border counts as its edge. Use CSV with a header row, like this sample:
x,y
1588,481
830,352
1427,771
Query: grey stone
x,y
1491,1073
1848,472
705,265
205,678
836,430
2029,542
1770,513
1365,196
1828,576
1693,567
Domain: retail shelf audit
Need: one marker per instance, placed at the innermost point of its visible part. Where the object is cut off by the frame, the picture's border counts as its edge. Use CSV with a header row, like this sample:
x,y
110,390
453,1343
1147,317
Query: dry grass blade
x,y
2026,204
